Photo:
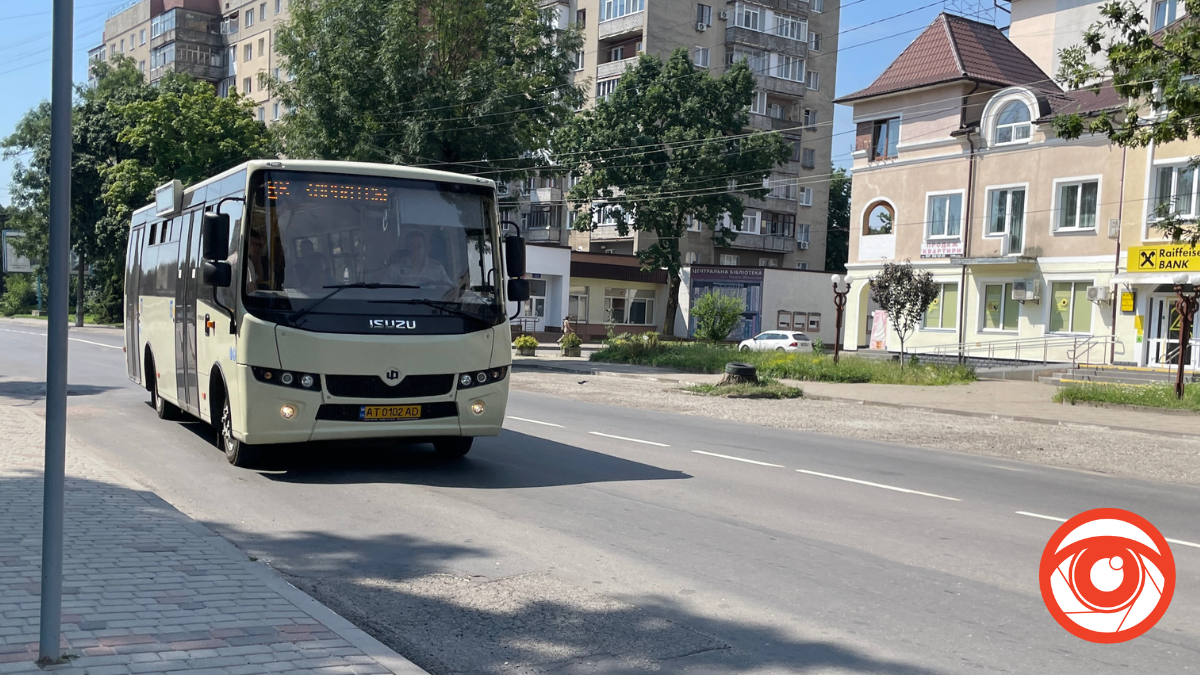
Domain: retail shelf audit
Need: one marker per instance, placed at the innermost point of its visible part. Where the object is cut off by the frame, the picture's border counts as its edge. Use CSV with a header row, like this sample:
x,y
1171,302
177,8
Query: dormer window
x,y
1013,126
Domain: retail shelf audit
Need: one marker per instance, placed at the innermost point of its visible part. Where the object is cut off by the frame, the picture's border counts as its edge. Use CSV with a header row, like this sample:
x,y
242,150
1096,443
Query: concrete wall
x,y
809,292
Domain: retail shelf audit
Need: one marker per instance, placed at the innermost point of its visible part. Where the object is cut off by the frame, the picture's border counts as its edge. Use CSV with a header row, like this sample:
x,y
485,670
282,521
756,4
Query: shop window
x,y
629,306
577,304
1070,311
942,313
1000,311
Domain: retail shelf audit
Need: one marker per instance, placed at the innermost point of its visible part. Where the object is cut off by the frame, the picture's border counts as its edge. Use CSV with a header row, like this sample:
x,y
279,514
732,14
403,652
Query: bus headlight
x,y
478,407
481,377
307,381
465,380
286,378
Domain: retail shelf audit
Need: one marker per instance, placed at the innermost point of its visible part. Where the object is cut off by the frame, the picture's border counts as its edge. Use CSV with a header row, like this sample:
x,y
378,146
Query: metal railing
x,y
1076,349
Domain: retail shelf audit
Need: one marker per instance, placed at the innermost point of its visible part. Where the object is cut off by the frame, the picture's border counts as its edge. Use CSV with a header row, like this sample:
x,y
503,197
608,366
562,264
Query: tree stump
x,y
739,373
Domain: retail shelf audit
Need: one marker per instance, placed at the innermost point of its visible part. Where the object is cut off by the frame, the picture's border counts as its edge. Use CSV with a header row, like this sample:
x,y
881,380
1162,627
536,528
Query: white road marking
x,y
546,424
1063,520
878,485
88,342
736,459
632,440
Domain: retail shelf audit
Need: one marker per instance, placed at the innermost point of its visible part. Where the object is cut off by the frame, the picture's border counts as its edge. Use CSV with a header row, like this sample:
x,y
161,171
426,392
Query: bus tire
x,y
452,447
238,453
164,409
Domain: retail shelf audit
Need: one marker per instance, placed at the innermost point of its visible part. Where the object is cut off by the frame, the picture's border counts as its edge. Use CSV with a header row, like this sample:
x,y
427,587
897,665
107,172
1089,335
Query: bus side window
x,y
153,231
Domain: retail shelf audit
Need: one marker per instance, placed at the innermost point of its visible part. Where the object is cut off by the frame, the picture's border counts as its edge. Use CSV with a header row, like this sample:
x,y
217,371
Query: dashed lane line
x,y
523,419
1063,520
42,335
631,440
878,485
737,459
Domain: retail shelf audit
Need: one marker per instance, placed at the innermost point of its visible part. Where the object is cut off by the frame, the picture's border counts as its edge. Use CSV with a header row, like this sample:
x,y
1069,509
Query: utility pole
x,y
49,649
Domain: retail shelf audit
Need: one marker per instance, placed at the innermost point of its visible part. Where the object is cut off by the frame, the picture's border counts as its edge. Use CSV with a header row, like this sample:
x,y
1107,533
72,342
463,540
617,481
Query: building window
x,y
161,56
262,49
751,220
790,27
611,9
605,88
246,86
801,265
805,196
812,80
789,68
617,53
693,225
262,114
885,139
814,42
1000,311
249,17
1006,217
729,259
1013,125
1164,13
1077,204
747,16
803,230
629,306
142,66
535,306
262,11
577,304
755,59
879,219
123,45
1070,311
275,111
808,159
702,57
759,104
581,18
810,117
780,187
777,111
945,216
278,6
817,5
941,314
768,262
247,52
142,36
691,258
703,15
578,61
1175,191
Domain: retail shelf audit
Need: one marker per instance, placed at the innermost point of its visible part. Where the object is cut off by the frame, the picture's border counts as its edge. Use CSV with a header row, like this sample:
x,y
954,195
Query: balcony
x,y
543,235
766,41
199,71
609,232
546,195
782,87
622,26
614,68
796,7
772,123
763,242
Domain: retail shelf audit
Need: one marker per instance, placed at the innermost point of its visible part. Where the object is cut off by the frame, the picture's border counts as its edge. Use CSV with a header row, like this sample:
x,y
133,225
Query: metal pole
x,y
56,339
839,301
1181,308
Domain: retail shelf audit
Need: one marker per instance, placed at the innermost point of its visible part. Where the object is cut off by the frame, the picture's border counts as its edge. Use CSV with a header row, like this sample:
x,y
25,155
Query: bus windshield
x,y
323,243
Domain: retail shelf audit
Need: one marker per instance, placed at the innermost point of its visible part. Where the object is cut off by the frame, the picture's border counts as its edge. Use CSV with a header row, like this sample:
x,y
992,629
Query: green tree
x,y
473,86
837,246
668,146
716,315
1153,71
905,294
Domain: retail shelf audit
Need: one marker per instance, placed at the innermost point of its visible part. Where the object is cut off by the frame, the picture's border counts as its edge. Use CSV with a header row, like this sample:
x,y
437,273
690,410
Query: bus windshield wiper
x,y
338,288
443,305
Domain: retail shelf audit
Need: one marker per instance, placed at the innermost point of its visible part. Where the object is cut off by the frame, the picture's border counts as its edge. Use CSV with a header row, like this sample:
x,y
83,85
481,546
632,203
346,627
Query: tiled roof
x,y
1085,101
955,48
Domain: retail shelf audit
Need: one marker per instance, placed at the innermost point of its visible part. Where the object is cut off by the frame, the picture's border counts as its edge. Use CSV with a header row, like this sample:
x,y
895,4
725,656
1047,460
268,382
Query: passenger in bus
x,y
417,267
311,269
256,259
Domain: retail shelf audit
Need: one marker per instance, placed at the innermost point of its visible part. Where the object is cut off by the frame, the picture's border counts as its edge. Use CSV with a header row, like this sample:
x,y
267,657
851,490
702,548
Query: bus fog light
x,y
478,407
481,377
287,412
306,381
286,378
465,380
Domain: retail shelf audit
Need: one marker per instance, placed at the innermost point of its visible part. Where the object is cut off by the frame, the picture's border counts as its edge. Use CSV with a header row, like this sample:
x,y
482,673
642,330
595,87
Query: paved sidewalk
x,y
148,590
994,399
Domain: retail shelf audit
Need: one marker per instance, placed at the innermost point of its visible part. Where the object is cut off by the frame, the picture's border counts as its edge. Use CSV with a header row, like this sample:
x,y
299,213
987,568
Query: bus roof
x,y
352,168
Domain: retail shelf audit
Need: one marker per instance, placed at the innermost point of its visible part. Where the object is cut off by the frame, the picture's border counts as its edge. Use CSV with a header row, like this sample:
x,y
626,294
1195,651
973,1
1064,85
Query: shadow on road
x,y
28,390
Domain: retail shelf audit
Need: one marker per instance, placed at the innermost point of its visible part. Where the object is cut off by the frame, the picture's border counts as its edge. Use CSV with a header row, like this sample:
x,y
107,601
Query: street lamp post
x,y
1185,306
839,301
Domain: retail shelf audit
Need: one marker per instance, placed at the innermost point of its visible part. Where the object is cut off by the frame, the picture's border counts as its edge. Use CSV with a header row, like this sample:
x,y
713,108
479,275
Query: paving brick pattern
x,y
145,589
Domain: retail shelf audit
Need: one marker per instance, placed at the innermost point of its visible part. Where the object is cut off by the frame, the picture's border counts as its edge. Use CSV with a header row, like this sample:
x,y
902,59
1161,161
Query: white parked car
x,y
777,340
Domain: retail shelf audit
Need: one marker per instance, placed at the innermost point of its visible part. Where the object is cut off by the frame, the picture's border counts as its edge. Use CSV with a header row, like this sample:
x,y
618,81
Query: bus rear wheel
x,y
452,447
238,453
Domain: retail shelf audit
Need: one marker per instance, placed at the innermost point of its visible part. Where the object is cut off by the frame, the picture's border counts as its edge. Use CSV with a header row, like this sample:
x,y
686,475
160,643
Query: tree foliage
x,y
716,316
837,245
667,146
905,294
466,85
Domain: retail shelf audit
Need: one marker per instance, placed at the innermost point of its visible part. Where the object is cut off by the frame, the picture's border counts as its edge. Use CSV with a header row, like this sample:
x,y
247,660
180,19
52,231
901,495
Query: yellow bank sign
x,y
1164,258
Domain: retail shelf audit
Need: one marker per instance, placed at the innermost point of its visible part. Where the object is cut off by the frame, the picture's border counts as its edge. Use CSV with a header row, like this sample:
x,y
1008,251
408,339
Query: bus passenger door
x,y
185,368
133,291
192,282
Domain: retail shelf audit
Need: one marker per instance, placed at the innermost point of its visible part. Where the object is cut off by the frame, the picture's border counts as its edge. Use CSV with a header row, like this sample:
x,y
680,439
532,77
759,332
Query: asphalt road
x,y
606,539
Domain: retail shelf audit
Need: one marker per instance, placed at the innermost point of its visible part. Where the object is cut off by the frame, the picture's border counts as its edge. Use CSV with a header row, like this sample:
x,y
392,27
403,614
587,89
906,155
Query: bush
x,y
716,315
570,340
525,342
19,294
818,347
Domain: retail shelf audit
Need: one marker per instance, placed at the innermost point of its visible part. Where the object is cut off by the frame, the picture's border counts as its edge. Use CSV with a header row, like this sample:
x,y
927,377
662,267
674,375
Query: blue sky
x,y
867,46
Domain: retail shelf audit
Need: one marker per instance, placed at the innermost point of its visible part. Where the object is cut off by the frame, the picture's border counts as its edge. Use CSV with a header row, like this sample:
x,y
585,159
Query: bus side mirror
x,y
214,231
218,274
514,255
518,290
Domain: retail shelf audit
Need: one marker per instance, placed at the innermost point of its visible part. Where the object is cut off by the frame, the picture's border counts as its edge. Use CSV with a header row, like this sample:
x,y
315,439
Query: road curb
x,y
382,654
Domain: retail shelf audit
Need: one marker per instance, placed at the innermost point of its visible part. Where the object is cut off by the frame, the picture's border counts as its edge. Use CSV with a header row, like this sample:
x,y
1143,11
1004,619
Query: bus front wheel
x,y
165,410
452,447
238,453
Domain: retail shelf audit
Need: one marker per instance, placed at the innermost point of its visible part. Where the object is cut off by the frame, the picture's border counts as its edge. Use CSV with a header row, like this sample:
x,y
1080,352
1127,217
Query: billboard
x,y
13,263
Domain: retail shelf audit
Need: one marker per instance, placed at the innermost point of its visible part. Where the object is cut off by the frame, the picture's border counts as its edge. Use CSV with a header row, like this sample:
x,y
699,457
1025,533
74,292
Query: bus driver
x,y
417,267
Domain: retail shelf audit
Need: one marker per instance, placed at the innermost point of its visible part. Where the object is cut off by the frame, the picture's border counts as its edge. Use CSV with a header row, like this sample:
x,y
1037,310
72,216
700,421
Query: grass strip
x,y
1145,395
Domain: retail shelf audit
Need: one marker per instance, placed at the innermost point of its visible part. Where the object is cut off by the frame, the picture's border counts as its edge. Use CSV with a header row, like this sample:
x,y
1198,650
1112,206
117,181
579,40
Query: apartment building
x,y
229,43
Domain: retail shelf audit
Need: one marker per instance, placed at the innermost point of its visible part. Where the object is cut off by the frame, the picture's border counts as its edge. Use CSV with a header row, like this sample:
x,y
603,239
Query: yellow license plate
x,y
389,413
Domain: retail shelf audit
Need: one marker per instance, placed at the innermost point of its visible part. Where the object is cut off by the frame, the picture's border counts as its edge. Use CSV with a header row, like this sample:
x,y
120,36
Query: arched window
x,y
879,219
1013,123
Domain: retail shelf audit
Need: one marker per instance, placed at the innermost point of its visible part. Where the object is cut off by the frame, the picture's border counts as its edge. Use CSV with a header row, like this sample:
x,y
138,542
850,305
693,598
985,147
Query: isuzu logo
x,y
392,376
398,324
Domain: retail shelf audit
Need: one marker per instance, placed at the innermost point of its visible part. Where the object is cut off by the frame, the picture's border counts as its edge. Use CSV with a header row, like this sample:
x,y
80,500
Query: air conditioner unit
x,y
723,15
701,27
803,245
1099,293
1026,289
